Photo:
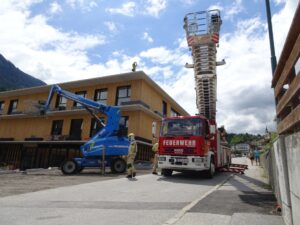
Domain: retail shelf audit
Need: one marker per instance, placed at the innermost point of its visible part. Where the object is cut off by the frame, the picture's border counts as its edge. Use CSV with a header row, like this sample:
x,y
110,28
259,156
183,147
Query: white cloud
x,y
147,37
127,9
218,6
234,9
84,5
159,55
20,5
280,1
155,7
188,2
111,26
55,8
146,7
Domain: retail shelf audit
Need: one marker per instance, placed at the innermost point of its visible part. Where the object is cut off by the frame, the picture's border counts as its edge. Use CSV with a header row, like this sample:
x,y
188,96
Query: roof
x,y
139,75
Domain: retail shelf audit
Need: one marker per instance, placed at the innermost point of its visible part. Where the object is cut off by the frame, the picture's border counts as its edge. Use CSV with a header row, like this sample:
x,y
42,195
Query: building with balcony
x,y
140,99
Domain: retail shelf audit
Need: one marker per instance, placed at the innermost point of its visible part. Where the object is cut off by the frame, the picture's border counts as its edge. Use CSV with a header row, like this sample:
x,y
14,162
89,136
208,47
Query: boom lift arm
x,y
113,113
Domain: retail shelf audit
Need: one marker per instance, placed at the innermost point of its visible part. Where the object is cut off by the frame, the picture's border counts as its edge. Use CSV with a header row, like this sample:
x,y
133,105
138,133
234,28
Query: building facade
x,y
139,98
243,148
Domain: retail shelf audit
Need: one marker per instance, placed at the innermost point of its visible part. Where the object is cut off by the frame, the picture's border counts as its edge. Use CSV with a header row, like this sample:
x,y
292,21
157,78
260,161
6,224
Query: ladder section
x,y
202,33
205,79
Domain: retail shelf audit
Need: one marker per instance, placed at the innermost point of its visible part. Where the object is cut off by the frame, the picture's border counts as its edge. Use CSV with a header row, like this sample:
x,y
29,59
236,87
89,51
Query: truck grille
x,y
179,151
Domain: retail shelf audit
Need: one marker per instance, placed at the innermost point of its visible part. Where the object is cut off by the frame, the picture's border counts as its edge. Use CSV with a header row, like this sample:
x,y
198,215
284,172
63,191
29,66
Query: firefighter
x,y
155,160
131,156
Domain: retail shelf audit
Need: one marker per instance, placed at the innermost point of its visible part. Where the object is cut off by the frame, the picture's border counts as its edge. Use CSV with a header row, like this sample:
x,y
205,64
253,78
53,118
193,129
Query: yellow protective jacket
x,y
155,148
132,150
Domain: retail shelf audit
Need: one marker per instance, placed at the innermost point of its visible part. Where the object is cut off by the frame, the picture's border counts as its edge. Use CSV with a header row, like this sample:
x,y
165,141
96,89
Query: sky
x,y
66,40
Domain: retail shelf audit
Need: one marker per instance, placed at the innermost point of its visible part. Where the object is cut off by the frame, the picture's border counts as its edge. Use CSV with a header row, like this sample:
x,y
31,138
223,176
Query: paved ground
x,y
13,183
242,200
148,199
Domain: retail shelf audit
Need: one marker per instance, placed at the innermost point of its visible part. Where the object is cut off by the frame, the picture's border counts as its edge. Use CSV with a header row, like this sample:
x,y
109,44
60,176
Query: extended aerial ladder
x,y
110,139
202,34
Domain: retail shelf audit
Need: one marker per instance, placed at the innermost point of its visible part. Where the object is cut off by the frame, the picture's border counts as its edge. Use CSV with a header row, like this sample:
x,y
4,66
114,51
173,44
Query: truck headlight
x,y
162,158
198,160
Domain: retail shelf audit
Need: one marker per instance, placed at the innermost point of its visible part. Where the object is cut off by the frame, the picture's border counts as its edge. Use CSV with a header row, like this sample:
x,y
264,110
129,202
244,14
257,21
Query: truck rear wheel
x,y
166,172
118,165
69,167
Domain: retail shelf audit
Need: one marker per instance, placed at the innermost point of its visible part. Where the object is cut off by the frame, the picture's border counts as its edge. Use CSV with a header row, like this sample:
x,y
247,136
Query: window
x,y
57,127
81,94
124,125
123,95
124,121
1,106
96,126
13,107
174,112
75,129
61,102
183,127
164,108
101,96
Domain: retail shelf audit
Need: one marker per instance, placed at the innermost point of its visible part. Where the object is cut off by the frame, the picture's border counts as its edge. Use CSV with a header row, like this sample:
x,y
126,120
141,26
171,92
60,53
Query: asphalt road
x,y
146,200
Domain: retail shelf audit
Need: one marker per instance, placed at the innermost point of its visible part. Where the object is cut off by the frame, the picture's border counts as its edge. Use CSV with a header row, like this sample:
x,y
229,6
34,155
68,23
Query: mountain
x,y
13,78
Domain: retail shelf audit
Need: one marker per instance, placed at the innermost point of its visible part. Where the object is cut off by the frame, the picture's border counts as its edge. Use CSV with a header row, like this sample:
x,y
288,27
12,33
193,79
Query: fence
x,y
43,154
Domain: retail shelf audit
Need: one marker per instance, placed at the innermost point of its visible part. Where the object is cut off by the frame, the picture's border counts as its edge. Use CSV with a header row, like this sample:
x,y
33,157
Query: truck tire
x,y
166,172
69,167
118,165
211,172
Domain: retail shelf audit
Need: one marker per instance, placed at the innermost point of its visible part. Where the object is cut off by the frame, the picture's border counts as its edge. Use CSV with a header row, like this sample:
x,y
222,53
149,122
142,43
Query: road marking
x,y
184,210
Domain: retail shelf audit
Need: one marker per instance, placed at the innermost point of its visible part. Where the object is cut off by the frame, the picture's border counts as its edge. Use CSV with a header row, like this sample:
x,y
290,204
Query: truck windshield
x,y
182,127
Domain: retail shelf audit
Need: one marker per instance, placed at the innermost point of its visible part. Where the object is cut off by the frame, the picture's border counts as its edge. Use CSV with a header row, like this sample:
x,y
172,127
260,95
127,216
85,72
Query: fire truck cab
x,y
188,143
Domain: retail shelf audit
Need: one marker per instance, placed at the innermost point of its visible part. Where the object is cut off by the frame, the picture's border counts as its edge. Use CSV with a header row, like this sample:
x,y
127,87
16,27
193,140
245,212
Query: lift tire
x,y
118,165
69,167
166,172
212,169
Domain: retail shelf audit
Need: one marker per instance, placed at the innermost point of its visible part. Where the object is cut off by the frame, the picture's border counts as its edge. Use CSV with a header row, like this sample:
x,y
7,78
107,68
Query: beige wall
x,y
151,97
145,129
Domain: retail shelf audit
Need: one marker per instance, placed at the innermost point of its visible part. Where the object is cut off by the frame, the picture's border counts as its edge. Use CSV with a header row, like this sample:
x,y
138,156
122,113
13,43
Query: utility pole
x,y
271,38
284,183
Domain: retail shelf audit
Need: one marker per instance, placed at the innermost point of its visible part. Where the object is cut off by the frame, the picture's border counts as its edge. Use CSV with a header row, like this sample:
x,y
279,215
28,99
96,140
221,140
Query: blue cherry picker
x,y
111,138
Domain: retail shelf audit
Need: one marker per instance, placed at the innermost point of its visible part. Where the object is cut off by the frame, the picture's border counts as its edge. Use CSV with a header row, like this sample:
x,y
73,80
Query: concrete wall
x,y
282,166
268,162
292,145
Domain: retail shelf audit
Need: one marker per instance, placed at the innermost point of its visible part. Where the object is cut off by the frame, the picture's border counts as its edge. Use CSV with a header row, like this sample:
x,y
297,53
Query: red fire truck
x,y
191,143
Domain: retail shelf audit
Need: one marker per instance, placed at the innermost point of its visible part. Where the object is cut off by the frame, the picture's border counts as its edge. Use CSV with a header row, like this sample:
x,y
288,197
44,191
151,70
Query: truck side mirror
x,y
212,129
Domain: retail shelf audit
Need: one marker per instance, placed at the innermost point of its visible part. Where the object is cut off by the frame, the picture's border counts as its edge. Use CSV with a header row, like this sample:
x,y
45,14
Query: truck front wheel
x,y
211,172
69,167
118,165
166,172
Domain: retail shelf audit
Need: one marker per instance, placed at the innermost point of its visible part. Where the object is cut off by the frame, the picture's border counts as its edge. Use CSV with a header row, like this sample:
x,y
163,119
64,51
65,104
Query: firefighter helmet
x,y
131,137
